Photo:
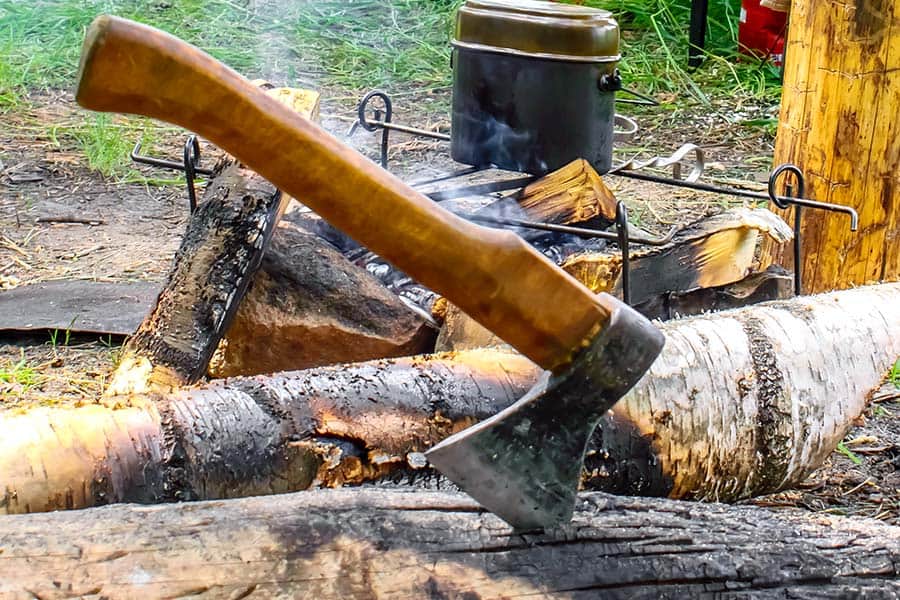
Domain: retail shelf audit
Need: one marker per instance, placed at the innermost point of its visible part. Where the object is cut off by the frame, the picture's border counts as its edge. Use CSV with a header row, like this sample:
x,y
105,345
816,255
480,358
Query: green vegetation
x,y
388,43
856,460
894,374
107,143
18,376
40,40
365,43
377,43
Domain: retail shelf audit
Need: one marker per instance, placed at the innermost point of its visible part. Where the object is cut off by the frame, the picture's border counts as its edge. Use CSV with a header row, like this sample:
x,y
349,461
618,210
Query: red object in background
x,y
761,31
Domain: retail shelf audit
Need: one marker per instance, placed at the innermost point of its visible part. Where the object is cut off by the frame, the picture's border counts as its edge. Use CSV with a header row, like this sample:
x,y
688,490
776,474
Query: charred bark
x,y
739,403
690,275
220,252
380,544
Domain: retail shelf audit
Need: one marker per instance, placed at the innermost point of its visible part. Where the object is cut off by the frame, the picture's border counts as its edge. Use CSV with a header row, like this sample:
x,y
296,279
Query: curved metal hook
x,y
780,201
191,162
388,115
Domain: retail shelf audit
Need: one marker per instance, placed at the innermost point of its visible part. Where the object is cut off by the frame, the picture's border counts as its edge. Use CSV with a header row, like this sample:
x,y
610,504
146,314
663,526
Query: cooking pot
x,y
533,85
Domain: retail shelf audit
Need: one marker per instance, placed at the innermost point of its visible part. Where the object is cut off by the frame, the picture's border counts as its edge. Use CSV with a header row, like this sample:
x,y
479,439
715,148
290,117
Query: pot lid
x,y
544,29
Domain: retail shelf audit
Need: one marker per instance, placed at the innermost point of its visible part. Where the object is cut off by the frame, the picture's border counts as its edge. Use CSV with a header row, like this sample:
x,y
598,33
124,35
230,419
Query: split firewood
x,y
313,307
574,194
398,544
221,250
739,403
772,284
714,252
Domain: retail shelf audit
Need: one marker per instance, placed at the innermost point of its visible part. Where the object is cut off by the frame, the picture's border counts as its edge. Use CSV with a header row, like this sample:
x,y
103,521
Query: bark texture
x,y
399,544
310,306
739,403
839,124
220,252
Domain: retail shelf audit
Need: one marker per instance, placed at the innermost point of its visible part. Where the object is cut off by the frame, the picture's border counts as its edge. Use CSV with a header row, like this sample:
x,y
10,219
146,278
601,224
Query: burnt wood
x,y
367,543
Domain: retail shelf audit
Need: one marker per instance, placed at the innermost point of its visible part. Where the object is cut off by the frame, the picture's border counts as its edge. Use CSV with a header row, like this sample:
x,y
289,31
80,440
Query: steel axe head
x,y
524,463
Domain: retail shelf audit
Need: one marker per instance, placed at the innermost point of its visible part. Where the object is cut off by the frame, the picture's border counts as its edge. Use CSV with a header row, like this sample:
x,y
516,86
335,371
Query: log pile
x,y
740,403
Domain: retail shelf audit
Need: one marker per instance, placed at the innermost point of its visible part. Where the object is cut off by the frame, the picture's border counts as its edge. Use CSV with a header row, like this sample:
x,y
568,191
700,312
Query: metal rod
x,y
622,230
576,231
191,162
453,175
780,201
164,164
407,129
479,189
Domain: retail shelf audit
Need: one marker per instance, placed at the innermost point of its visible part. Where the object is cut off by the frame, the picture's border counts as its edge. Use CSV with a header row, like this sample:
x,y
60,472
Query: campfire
x,y
502,330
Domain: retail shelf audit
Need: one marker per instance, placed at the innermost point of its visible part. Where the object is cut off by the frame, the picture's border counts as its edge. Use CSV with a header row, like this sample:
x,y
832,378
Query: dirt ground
x,y
130,232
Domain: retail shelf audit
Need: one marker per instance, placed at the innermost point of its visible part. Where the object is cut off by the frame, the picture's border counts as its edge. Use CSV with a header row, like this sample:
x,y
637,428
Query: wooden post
x,y
840,124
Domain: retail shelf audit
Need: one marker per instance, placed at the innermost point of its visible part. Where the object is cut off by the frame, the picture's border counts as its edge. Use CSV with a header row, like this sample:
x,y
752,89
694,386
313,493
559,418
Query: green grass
x,y
856,460
19,375
894,374
40,40
394,43
378,43
107,143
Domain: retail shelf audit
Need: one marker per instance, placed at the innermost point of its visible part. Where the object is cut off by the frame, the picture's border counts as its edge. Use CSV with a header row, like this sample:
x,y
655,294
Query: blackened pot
x,y
533,85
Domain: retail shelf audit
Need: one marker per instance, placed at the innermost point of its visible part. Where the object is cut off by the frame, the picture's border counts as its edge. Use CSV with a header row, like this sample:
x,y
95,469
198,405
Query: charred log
x,y
690,275
212,270
378,544
220,252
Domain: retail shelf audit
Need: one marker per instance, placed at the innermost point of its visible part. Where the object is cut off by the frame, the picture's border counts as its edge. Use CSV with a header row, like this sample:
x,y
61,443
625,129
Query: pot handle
x,y
630,127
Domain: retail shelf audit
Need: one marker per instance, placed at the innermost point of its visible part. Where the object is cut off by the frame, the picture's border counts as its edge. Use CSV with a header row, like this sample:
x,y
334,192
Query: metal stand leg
x,y
699,9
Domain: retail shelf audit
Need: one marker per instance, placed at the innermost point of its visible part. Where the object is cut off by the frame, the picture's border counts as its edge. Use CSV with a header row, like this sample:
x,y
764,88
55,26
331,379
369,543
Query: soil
x,y
133,229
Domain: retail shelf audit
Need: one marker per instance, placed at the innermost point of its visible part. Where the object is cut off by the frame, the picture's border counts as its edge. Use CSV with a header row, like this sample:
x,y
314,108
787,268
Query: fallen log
x,y
314,307
398,544
740,403
218,256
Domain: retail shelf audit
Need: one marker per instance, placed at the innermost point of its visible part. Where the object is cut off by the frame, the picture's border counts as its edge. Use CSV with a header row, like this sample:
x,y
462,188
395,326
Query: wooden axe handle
x,y
494,276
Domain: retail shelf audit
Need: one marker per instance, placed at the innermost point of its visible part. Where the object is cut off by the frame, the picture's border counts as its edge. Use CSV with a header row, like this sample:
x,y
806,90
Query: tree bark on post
x,y
839,123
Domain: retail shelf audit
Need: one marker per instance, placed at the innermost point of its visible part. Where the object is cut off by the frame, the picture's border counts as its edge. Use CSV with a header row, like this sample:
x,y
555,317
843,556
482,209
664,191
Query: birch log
x,y
739,403
378,544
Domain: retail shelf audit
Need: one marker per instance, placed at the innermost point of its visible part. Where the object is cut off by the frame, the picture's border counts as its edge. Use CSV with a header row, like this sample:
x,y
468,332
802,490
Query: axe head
x,y
524,463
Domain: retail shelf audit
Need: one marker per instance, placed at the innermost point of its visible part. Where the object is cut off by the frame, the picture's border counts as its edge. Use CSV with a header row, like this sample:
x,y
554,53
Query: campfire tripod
x,y
382,119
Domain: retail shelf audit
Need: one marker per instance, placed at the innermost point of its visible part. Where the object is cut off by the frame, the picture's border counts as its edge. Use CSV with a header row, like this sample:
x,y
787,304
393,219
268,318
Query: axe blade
x,y
524,463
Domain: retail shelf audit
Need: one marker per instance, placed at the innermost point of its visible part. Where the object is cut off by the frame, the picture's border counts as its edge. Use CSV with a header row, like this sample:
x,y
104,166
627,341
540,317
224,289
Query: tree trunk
x,y
839,124
399,544
739,404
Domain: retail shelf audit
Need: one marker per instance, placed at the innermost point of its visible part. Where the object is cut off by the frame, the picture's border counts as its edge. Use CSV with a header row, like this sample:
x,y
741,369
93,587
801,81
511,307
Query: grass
x,y
364,44
388,43
106,143
856,460
378,43
894,374
40,40
17,377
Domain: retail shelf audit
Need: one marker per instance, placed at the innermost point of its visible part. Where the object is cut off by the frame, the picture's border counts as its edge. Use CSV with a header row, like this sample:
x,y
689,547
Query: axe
x,y
525,462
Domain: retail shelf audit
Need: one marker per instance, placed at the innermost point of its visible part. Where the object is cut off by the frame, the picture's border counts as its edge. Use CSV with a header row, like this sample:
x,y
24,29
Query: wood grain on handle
x,y
492,275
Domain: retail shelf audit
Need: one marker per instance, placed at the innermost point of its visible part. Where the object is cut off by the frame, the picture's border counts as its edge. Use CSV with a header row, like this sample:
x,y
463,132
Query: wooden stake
x,y
839,124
